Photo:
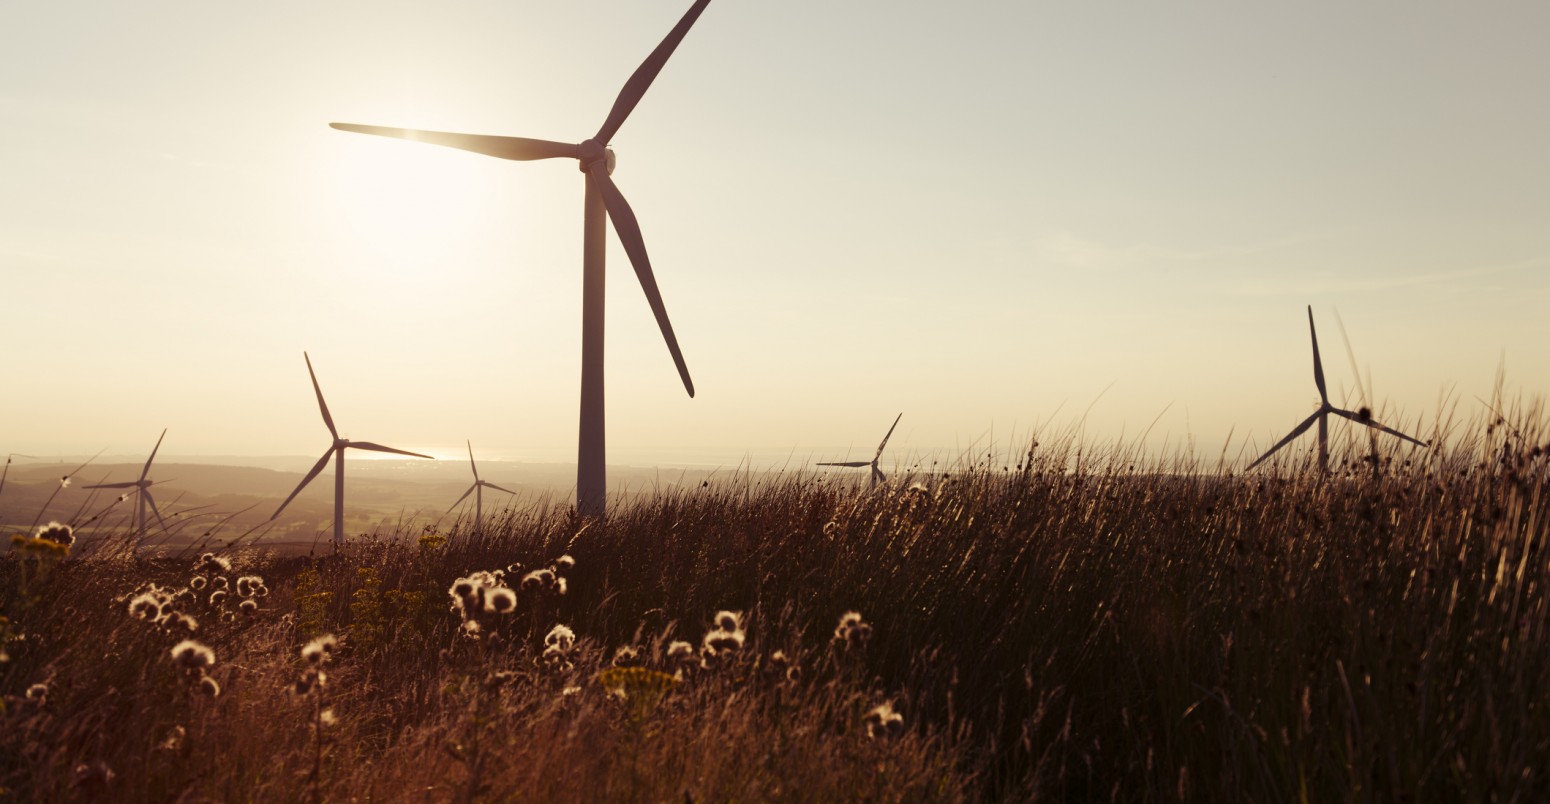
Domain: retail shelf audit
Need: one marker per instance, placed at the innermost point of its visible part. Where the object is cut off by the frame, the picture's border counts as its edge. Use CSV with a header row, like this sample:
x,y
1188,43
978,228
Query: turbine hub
x,y
591,151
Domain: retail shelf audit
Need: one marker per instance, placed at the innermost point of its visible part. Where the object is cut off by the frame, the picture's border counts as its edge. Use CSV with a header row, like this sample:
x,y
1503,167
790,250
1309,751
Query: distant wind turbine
x,y
142,489
1322,414
7,470
603,200
477,489
877,474
336,451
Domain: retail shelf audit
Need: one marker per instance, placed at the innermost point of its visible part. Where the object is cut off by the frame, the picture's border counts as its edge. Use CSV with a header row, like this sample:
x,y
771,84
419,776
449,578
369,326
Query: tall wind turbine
x,y
142,489
477,489
1322,414
603,201
335,451
877,474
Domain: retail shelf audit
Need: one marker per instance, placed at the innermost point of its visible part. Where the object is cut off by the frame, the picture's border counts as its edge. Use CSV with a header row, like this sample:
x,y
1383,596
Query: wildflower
x,y
145,606
57,533
198,582
627,656
191,655
721,641
209,686
852,631
681,652
500,601
37,692
883,722
248,607
319,650
538,579
556,659
560,637
213,564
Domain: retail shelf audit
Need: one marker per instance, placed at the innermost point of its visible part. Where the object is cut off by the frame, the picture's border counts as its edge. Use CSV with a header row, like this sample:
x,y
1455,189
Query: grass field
x,y
1077,623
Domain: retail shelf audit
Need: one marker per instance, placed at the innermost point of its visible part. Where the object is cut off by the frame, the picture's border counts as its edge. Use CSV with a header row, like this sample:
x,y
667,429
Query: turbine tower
x,y
1325,409
335,451
603,202
477,489
877,474
142,489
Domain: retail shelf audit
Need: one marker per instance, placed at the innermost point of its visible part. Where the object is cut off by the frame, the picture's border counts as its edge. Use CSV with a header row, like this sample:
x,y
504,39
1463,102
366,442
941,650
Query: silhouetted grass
x,y
1084,623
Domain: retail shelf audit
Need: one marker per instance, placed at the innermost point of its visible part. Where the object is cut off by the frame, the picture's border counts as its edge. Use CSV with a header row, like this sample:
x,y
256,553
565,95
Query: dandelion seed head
x,y
560,637
319,650
145,606
680,651
728,620
500,601
57,533
191,655
627,656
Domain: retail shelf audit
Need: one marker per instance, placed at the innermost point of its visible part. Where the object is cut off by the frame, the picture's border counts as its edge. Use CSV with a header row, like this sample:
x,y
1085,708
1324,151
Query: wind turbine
x,y
477,489
336,451
877,474
142,489
1322,414
603,201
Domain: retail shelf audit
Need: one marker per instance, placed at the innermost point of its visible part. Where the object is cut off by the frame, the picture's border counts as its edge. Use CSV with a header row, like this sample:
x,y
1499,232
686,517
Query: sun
x,y
405,202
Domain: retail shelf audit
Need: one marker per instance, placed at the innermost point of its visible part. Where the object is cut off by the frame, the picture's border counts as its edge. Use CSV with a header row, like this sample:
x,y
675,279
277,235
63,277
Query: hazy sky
x,y
982,214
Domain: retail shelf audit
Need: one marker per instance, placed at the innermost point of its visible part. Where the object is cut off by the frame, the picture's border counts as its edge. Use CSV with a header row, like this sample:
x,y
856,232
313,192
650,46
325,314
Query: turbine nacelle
x,y
591,151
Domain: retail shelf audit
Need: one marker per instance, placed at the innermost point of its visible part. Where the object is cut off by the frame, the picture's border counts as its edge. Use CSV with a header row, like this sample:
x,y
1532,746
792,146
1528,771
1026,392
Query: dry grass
x,y
1084,625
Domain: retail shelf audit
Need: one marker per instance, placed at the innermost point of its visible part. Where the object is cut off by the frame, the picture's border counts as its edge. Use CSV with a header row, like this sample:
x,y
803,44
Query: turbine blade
x,y
462,498
1374,425
1318,365
636,87
323,406
520,149
316,468
886,437
128,485
489,485
629,234
878,476
380,448
471,461
152,502
147,469
1299,430
851,464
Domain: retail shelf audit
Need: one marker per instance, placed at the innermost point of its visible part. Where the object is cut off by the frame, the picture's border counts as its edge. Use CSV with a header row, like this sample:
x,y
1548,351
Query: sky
x,y
991,216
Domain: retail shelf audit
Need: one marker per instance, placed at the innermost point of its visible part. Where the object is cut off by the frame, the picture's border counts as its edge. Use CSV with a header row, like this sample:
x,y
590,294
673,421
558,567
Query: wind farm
x,y
1096,565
